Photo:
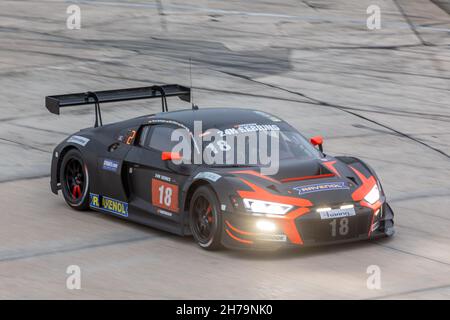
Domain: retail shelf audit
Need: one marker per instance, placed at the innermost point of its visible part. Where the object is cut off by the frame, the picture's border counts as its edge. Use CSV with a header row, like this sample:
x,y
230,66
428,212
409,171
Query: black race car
x,y
132,169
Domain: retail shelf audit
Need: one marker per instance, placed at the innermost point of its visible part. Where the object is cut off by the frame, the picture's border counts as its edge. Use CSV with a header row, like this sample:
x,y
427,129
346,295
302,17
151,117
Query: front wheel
x,y
75,180
204,219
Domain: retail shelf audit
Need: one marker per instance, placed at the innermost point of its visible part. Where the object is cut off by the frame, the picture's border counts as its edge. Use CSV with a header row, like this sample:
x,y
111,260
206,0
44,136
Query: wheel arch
x,y
215,242
62,153
190,192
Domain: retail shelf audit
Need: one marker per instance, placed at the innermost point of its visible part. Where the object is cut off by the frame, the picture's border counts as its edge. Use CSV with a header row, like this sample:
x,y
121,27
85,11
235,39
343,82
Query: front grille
x,y
315,230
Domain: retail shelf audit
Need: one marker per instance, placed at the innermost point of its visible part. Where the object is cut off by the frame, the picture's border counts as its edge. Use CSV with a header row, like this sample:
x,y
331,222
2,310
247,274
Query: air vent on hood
x,y
319,176
274,188
353,180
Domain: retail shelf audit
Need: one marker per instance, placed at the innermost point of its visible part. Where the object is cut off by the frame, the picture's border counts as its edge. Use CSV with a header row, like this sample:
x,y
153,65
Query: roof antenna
x,y
194,107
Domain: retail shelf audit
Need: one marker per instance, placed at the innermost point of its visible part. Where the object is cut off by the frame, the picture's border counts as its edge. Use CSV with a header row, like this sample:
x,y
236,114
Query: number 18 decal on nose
x,y
165,195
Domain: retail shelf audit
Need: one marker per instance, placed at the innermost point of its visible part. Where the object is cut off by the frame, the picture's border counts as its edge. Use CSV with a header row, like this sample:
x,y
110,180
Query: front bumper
x,y
240,231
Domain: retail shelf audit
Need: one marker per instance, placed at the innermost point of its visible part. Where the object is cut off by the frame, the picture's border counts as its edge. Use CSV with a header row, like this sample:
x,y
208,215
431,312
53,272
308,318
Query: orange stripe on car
x,y
238,239
239,231
289,227
288,220
360,193
376,206
319,176
256,174
259,193
366,186
330,166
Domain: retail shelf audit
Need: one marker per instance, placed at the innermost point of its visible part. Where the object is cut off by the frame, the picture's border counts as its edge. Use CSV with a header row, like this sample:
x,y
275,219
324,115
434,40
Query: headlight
x,y
265,226
373,196
259,206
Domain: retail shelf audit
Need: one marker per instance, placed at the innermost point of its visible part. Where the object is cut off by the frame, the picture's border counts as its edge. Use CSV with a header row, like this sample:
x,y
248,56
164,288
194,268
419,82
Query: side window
x,y
143,136
159,137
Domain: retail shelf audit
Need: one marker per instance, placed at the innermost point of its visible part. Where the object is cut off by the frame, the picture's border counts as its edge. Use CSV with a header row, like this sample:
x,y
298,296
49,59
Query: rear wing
x,y
54,103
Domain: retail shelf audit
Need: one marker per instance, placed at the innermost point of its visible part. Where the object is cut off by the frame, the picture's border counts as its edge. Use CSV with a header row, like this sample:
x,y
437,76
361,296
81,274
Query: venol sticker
x,y
108,204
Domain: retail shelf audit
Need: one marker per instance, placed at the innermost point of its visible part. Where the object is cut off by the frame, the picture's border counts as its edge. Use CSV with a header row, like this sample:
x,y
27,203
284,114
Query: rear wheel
x,y
205,222
75,180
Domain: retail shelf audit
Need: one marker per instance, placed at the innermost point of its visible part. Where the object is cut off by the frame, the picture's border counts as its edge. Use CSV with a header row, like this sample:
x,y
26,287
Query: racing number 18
x,y
165,195
343,227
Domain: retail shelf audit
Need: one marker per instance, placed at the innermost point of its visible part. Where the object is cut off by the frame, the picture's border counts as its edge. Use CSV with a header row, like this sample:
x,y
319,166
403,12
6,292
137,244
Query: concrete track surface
x,y
381,95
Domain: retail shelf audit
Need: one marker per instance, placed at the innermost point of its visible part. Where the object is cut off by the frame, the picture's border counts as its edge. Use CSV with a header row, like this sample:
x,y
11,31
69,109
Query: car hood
x,y
319,182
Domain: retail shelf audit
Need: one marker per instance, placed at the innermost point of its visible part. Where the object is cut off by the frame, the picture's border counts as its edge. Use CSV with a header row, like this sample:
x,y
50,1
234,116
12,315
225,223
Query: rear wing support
x,y
54,103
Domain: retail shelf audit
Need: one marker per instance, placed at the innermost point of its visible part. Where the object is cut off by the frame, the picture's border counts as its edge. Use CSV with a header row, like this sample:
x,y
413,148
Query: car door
x,y
154,184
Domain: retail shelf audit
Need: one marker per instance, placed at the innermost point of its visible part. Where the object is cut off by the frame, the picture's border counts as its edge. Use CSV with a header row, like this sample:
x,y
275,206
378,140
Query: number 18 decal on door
x,y
165,195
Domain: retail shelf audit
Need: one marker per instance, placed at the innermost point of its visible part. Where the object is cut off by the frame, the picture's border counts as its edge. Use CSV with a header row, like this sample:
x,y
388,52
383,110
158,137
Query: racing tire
x,y
204,219
74,179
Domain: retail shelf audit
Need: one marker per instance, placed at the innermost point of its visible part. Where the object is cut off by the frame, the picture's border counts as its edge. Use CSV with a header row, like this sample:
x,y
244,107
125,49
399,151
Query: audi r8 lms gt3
x,y
136,170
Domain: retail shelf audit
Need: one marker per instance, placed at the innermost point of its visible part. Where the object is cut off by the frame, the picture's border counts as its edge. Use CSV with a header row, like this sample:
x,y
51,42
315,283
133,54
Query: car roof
x,y
218,117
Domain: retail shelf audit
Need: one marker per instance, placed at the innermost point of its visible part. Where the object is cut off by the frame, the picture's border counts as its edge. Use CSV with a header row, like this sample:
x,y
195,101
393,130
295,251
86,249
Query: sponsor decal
x,y
337,213
82,141
110,165
164,212
108,204
208,176
248,128
272,237
327,186
162,177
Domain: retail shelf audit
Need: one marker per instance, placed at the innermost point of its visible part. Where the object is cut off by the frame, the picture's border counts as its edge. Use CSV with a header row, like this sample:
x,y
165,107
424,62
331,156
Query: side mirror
x,y
317,141
167,155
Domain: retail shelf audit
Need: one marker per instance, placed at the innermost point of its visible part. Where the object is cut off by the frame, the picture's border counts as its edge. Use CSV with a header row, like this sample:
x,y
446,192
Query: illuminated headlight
x,y
373,196
265,226
259,206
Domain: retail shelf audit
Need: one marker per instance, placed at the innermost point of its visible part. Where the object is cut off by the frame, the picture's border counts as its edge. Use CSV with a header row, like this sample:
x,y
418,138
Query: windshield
x,y
255,144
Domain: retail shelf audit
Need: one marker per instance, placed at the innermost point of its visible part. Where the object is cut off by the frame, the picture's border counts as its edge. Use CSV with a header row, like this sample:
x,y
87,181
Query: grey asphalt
x,y
381,95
